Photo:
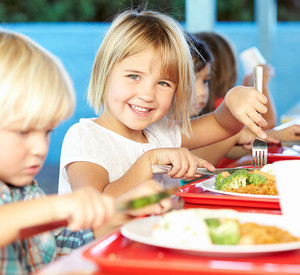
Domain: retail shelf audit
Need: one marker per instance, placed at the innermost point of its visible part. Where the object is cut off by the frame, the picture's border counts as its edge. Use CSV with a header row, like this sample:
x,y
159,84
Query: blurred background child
x,y
204,62
224,74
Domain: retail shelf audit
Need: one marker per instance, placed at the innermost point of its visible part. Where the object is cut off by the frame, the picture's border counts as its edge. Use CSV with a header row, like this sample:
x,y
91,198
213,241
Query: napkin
x,y
287,175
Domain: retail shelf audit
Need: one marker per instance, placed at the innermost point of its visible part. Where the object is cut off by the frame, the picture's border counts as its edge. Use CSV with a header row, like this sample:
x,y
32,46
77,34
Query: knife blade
x,y
164,169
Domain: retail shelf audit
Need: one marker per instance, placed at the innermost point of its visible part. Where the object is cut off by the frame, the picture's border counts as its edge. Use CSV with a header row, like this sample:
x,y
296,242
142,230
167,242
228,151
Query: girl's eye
x,y
49,132
134,76
22,133
163,83
206,82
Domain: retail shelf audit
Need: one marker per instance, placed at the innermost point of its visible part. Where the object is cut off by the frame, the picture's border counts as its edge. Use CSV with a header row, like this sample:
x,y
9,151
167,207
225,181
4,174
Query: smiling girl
x,y
143,89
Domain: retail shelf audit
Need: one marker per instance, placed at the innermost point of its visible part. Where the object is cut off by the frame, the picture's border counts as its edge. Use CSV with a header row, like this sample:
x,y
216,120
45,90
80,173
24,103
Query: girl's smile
x,y
139,94
139,110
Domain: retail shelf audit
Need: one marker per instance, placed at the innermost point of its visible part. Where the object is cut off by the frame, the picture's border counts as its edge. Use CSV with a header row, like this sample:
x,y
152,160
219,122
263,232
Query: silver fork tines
x,y
259,147
259,153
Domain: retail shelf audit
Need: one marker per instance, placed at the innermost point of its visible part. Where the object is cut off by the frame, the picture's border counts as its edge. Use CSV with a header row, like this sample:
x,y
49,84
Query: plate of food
x,y
257,183
225,233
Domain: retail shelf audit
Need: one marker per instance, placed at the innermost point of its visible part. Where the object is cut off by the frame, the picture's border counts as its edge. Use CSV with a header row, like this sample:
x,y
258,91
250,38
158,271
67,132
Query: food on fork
x,y
203,227
259,182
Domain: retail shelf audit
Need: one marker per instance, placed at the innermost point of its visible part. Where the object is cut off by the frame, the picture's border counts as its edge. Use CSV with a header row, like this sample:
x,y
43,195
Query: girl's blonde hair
x,y
34,86
132,32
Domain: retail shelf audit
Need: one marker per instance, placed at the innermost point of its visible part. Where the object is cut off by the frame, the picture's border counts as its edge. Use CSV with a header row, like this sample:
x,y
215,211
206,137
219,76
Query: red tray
x,y
276,153
194,193
272,157
116,254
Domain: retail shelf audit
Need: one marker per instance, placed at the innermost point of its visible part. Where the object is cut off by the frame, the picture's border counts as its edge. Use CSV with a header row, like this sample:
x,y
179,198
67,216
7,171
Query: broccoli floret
x,y
228,232
218,182
240,177
256,179
212,222
235,180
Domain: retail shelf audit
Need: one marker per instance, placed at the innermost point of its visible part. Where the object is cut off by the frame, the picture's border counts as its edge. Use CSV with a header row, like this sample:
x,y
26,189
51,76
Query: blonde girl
x,y
142,87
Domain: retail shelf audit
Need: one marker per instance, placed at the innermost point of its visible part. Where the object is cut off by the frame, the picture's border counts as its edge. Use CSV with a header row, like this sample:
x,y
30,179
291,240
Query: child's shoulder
x,y
87,130
83,125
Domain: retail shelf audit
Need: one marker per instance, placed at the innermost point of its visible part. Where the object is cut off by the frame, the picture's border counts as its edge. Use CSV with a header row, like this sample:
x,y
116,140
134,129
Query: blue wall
x,y
76,45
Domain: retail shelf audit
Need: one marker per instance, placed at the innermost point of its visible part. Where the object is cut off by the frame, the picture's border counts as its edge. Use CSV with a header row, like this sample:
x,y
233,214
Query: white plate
x,y
140,230
210,186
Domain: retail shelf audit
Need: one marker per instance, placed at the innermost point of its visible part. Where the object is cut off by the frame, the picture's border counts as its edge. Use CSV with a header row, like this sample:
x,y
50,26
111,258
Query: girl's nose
x,y
146,93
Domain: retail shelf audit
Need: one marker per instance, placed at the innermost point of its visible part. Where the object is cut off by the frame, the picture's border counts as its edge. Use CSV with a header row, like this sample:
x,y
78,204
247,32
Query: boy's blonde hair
x,y
132,32
34,86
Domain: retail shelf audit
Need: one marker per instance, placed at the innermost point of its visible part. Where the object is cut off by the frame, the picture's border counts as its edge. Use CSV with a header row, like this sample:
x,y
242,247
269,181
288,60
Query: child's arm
x,y
233,148
291,132
244,144
88,174
242,105
145,189
84,208
219,149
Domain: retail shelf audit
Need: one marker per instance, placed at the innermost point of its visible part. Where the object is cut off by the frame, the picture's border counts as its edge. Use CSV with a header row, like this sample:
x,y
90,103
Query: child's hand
x,y
120,218
85,208
288,133
247,104
183,161
145,189
246,138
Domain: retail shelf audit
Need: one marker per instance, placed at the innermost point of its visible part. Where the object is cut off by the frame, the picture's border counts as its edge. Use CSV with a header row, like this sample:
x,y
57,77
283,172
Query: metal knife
x,y
164,169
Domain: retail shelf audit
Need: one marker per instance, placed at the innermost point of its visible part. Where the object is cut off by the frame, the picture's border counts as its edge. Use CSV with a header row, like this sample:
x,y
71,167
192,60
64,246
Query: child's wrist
x,y
57,208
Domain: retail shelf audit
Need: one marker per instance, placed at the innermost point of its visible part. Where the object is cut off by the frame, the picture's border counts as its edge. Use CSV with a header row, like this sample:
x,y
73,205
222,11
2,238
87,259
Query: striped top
x,y
26,256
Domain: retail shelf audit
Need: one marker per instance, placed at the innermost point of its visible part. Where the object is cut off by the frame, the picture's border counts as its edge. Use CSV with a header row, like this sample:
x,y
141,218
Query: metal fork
x,y
259,153
259,147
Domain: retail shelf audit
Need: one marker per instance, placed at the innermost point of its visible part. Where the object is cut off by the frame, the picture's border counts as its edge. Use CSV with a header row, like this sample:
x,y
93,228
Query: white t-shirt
x,y
88,141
